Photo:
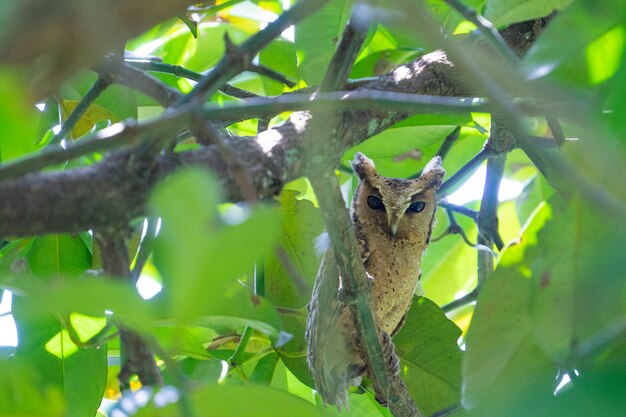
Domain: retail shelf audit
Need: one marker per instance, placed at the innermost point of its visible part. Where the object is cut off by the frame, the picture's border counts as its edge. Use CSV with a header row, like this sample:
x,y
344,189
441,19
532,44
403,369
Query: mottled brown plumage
x,y
392,219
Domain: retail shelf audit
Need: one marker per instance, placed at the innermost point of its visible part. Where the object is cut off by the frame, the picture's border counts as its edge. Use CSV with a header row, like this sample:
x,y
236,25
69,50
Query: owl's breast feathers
x,y
394,265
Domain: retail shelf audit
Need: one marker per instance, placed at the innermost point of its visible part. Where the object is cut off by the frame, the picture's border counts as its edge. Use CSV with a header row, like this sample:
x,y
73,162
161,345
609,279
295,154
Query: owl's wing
x,y
329,353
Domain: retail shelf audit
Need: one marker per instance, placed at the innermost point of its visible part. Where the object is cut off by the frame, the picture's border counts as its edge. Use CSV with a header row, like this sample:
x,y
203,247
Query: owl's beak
x,y
393,219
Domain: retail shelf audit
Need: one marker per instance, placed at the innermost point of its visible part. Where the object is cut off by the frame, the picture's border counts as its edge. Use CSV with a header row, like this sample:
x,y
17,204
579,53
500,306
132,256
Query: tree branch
x,y
136,355
114,190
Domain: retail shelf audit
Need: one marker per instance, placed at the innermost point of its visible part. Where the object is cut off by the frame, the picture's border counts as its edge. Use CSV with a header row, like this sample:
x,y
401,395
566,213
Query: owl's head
x,y
401,207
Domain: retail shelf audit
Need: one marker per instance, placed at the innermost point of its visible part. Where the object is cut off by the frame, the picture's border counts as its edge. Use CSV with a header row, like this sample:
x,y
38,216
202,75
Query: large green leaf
x,y
43,340
501,352
317,38
201,258
430,356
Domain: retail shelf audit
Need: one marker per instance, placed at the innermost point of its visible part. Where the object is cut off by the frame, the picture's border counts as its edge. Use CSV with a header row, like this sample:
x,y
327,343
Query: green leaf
x,y
96,296
501,352
264,369
58,256
317,38
185,341
505,12
449,265
180,48
43,340
201,258
381,62
300,223
236,401
569,306
561,48
279,55
430,356
115,104
18,118
24,393
397,152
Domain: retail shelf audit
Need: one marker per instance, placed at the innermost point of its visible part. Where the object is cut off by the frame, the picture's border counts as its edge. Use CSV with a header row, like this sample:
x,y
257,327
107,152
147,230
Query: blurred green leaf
x,y
568,304
430,357
24,393
234,401
561,48
201,259
18,117
501,352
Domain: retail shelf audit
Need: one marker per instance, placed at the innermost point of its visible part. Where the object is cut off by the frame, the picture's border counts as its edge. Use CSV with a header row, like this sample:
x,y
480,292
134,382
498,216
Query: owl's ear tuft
x,y
433,173
363,166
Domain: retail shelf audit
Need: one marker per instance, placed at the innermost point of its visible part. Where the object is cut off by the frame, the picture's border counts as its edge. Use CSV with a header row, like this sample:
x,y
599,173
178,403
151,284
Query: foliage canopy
x,y
104,187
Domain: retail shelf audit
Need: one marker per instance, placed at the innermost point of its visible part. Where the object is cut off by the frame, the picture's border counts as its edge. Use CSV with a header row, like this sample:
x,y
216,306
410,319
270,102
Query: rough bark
x,y
115,190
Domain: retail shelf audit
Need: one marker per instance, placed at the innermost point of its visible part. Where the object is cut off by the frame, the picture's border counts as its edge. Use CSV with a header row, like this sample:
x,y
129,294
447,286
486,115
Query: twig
x,y
463,172
460,302
155,66
448,411
270,73
472,214
239,58
488,214
454,228
487,29
121,73
136,356
145,248
101,84
236,359
444,148
186,405
557,131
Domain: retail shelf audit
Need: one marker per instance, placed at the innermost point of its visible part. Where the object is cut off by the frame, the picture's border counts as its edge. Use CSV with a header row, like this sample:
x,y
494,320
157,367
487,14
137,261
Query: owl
x,y
392,220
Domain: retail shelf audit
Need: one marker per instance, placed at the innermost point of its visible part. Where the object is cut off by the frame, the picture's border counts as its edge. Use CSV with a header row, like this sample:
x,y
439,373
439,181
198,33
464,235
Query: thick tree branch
x,y
114,190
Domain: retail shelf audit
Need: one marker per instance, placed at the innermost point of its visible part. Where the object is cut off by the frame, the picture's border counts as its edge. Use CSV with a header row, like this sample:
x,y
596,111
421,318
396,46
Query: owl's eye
x,y
375,203
416,206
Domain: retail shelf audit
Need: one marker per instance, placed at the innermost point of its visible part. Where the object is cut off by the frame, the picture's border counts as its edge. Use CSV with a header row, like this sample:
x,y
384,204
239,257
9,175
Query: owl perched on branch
x,y
393,220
